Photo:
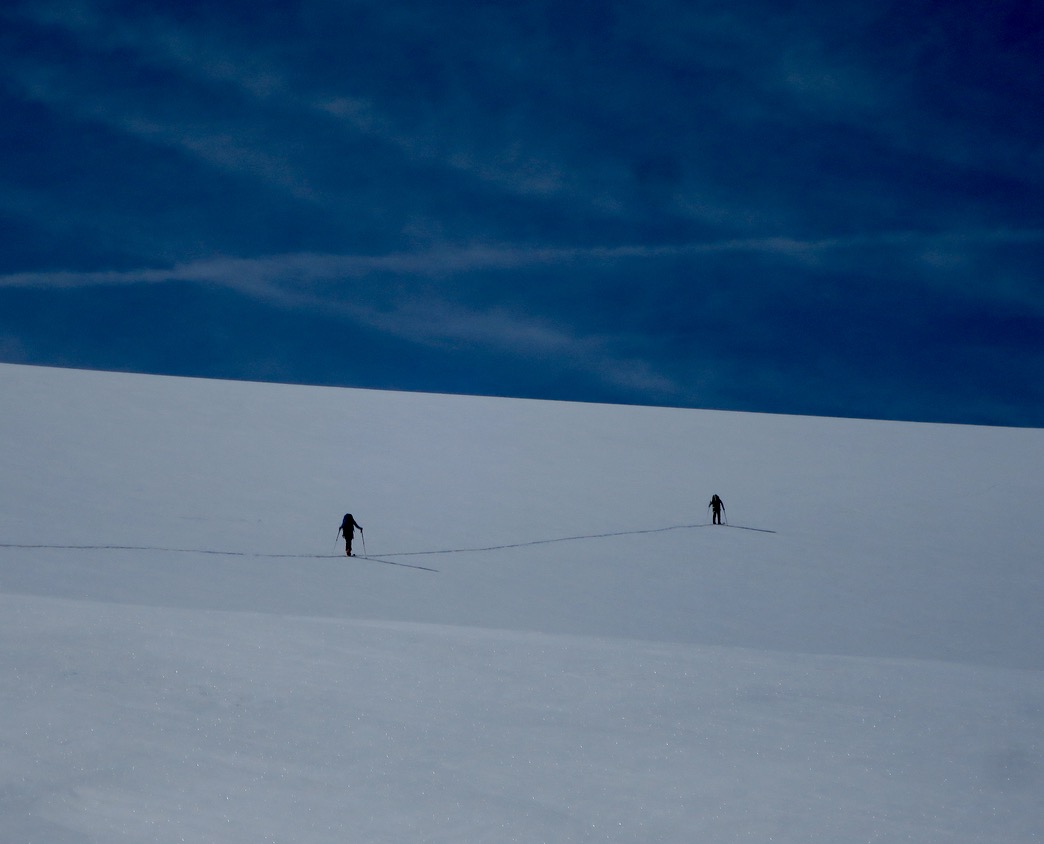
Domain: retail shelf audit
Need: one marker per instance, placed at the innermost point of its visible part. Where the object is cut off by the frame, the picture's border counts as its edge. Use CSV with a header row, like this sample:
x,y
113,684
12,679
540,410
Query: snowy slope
x,y
187,655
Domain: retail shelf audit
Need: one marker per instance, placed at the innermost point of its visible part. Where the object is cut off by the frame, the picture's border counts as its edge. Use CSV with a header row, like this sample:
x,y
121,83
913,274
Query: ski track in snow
x,y
383,554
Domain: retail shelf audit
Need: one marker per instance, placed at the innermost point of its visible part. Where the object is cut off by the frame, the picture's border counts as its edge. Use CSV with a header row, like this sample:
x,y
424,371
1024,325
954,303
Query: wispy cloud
x,y
307,267
206,136
205,58
155,39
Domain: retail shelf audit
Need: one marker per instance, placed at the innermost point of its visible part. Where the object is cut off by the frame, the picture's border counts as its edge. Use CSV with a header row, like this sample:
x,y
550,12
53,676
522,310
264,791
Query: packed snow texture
x,y
547,641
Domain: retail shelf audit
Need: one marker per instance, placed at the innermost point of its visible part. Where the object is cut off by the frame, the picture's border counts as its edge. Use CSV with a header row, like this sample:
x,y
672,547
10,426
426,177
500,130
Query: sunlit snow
x,y
547,641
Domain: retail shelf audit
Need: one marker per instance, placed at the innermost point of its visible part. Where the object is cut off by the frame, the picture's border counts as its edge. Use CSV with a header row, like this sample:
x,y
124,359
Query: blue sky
x,y
829,209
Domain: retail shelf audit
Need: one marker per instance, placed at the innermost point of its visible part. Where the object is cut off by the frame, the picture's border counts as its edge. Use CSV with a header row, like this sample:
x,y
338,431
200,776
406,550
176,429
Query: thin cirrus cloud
x,y
287,270
303,282
158,43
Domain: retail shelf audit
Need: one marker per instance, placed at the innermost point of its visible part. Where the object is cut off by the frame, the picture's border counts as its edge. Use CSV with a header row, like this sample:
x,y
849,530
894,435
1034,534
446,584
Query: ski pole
x,y
362,536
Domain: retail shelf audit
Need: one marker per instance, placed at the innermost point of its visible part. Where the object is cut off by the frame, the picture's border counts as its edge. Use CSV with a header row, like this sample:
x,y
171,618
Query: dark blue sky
x,y
822,208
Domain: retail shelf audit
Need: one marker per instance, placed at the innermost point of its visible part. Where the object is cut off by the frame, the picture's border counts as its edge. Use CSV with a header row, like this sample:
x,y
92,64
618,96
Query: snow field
x,y
187,655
